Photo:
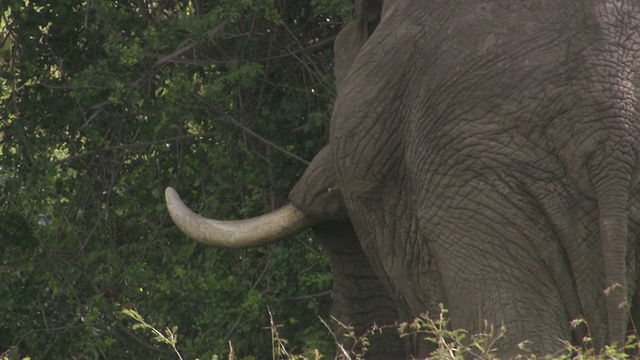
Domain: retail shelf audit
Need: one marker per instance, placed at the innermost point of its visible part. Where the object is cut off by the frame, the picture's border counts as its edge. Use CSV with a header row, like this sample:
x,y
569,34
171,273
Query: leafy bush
x,y
104,103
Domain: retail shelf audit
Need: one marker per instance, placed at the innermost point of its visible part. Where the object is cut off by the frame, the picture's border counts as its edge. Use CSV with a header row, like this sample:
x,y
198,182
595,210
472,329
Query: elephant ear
x,y
369,13
351,39
316,193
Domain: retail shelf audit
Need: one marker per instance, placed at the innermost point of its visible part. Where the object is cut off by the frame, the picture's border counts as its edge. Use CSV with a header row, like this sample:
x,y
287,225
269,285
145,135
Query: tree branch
x,y
311,296
265,141
133,146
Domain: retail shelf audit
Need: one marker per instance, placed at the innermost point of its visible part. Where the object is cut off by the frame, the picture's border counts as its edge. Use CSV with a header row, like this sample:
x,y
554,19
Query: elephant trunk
x,y
260,231
612,195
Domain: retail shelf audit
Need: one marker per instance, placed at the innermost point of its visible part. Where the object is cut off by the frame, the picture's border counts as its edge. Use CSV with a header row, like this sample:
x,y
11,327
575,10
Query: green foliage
x,y
168,336
104,103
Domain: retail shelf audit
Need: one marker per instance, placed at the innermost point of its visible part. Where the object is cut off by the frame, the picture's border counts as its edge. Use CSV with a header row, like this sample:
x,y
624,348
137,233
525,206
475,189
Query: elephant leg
x,y
360,300
634,231
501,261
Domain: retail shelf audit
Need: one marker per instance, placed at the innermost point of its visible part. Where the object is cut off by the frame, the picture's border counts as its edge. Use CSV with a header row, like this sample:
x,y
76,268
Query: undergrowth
x,y
448,344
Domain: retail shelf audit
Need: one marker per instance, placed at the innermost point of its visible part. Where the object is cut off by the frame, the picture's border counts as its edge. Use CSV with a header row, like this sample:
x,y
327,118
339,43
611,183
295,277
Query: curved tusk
x,y
259,231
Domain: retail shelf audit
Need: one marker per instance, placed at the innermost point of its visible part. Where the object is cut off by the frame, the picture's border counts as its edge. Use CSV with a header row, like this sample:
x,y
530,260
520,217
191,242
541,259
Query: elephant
x,y
484,156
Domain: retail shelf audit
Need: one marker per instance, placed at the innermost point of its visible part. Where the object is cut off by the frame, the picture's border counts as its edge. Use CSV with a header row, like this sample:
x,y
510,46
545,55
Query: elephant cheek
x,y
319,202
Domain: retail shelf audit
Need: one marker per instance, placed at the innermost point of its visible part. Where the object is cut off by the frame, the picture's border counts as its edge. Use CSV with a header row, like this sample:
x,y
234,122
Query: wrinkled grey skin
x,y
487,154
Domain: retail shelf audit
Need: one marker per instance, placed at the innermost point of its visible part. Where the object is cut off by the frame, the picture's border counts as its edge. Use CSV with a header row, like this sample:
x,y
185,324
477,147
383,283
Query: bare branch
x,y
265,141
133,146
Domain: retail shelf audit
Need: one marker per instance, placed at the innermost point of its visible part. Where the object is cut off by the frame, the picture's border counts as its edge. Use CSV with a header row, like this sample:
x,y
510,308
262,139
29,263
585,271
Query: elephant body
x,y
487,154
